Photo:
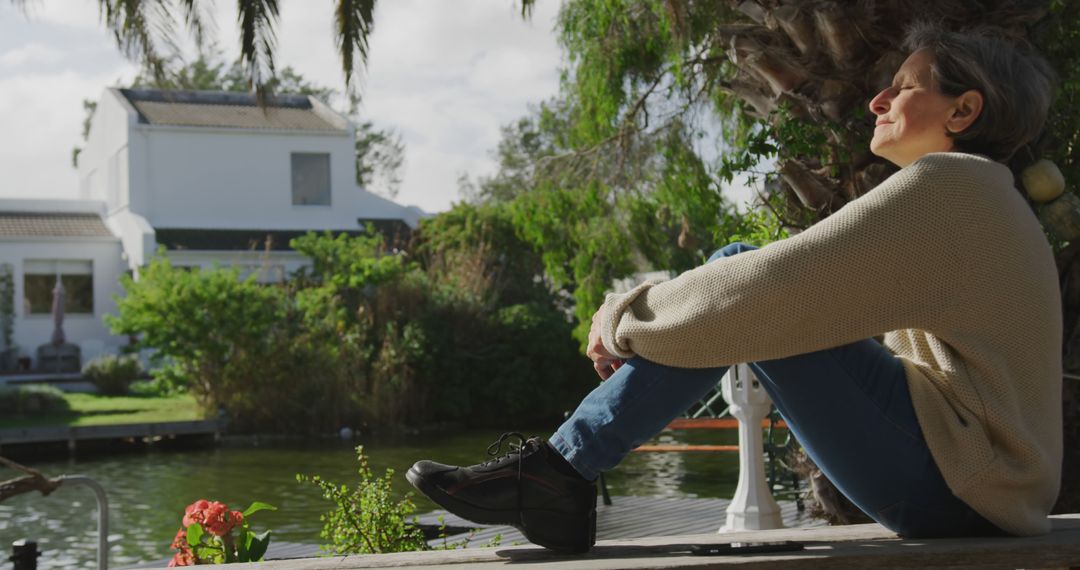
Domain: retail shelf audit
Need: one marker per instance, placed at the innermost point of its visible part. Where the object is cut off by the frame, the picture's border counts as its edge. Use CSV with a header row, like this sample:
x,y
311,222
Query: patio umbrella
x,y
58,314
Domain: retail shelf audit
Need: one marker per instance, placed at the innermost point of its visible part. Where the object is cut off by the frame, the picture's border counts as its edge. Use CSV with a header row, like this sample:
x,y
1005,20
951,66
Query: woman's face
x,y
911,114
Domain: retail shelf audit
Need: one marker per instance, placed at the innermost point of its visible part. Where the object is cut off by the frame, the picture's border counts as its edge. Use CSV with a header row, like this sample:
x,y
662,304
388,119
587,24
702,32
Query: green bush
x,y
366,519
111,374
31,400
366,336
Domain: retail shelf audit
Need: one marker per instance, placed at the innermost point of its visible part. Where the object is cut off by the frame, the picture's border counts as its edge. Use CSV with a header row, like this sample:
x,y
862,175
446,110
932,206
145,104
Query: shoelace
x,y
496,448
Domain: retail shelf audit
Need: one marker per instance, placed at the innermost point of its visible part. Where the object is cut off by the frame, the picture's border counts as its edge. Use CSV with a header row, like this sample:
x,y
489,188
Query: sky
x,y
445,75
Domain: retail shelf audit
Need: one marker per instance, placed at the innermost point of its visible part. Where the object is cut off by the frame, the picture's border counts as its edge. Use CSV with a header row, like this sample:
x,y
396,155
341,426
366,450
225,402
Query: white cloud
x,y
40,123
68,13
33,53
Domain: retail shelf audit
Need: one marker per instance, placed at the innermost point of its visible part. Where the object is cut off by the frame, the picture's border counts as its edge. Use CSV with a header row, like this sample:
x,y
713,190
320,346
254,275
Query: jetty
x,y
855,546
72,436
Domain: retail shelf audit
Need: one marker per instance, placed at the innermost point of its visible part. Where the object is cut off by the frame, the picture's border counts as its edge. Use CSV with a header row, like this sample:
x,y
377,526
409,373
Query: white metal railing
x,y
753,506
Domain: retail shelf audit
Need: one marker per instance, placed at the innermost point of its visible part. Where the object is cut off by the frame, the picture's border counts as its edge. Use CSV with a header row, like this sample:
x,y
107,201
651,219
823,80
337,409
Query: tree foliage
x,y
602,212
365,337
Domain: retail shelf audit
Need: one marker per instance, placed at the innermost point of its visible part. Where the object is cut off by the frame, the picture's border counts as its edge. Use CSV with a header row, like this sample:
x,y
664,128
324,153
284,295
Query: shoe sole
x,y
535,524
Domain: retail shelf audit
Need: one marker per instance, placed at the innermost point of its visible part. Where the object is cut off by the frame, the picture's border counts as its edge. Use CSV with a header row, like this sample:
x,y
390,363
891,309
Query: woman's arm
x,y
890,260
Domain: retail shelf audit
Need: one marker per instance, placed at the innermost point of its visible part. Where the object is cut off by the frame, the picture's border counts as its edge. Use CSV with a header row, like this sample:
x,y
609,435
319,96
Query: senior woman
x,y
951,427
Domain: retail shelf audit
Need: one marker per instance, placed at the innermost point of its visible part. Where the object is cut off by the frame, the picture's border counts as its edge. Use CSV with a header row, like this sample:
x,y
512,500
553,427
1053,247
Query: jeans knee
x,y
730,250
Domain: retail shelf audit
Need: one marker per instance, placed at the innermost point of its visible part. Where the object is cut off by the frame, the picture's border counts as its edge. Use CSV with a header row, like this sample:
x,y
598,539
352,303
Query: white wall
x,y
33,331
242,179
104,161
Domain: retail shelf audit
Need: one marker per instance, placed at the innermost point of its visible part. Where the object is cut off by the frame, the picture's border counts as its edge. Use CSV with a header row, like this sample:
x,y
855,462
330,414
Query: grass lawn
x,y
95,410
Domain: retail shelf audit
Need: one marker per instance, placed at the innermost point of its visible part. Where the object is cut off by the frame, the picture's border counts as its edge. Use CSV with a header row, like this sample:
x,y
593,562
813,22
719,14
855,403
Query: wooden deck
x,y
857,546
72,435
627,517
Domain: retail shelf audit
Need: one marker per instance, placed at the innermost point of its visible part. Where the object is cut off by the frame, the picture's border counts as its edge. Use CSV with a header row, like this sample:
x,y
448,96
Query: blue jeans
x,y
848,406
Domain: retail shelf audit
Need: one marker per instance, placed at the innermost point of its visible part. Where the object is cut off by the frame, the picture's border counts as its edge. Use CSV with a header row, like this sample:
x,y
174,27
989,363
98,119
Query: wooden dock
x,y
626,517
856,546
72,435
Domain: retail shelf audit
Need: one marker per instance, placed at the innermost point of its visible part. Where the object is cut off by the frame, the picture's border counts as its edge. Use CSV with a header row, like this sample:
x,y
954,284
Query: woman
x,y
951,427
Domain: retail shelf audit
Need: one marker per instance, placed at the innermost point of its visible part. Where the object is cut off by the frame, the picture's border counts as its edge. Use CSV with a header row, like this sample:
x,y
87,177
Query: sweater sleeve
x,y
884,262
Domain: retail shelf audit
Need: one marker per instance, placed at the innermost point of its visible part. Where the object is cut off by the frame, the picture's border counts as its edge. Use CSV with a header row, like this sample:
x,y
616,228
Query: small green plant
x,y
207,535
154,388
30,400
366,519
111,374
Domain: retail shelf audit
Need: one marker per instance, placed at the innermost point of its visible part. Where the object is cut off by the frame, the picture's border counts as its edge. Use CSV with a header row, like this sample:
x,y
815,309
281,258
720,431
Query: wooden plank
x,y
715,423
61,434
856,546
683,447
630,517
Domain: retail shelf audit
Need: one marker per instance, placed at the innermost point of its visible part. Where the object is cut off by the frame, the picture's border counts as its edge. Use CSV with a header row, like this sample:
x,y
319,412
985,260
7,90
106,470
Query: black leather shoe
x,y
522,488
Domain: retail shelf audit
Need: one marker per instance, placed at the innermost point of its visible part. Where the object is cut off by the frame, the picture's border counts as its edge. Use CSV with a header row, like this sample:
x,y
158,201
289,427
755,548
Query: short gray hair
x,y
1016,84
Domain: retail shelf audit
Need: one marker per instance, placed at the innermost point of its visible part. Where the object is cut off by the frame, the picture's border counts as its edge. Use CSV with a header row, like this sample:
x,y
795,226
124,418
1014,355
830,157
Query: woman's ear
x,y
966,109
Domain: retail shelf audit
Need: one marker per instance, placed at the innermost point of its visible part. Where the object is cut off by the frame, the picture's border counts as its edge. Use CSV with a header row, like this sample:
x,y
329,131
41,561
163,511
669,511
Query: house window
x,y
39,280
310,179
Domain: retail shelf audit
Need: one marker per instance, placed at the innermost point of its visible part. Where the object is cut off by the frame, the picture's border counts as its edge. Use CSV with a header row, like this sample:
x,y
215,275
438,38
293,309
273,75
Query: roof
x,y
395,232
231,110
43,224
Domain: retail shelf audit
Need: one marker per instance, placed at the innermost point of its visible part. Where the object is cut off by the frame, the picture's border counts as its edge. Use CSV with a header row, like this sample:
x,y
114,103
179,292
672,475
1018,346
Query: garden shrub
x,y
366,519
112,375
31,400
366,337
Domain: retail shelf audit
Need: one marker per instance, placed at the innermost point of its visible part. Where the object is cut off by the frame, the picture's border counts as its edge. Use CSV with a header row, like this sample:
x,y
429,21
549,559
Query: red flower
x,y
215,517
180,541
182,558
194,512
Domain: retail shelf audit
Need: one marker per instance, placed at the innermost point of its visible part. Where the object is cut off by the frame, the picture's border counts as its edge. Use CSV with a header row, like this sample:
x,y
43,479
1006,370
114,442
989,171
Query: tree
x,y
380,153
605,212
786,84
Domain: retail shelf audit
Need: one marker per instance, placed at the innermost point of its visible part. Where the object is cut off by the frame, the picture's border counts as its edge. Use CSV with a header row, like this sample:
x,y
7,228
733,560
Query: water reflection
x,y
148,491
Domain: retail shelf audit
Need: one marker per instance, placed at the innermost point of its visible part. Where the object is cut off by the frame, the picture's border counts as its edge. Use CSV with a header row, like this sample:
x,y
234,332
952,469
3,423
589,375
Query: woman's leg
x,y
851,410
626,410
632,406
848,406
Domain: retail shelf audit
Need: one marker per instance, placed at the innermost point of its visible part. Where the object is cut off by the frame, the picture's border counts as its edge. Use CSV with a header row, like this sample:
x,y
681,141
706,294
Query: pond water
x,y
148,491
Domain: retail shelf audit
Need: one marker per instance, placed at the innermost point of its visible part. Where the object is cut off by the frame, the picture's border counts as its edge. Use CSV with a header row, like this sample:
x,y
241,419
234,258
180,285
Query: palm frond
x,y
257,40
527,7
353,24
200,24
134,25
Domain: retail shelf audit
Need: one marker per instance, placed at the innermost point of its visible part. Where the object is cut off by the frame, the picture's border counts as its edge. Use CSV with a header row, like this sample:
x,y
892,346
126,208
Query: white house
x,y
210,176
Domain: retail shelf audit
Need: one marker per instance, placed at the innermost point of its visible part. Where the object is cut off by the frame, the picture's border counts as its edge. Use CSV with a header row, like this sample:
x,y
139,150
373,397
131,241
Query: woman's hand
x,y
604,362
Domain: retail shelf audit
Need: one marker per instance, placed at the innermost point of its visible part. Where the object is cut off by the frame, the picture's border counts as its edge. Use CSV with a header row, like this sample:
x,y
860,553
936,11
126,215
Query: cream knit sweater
x,y
946,259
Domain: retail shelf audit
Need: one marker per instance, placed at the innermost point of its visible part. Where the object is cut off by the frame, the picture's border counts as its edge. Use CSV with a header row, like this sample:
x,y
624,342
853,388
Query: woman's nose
x,y
879,105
